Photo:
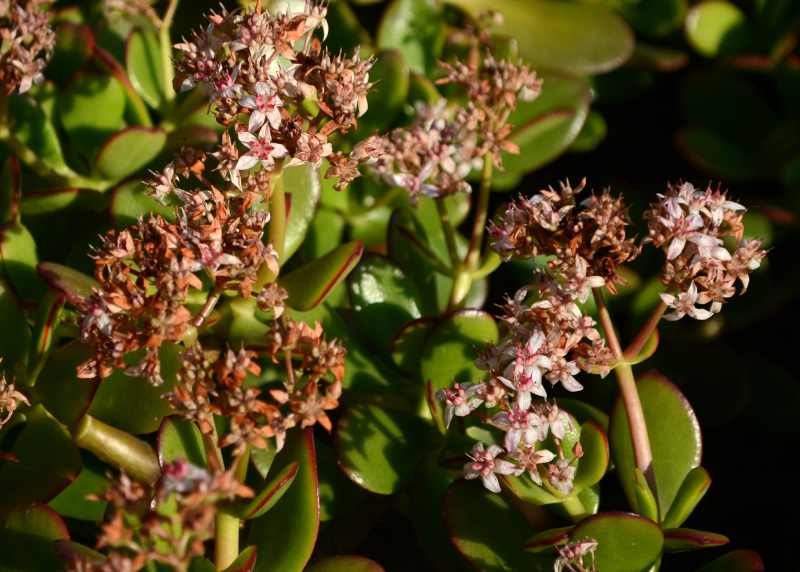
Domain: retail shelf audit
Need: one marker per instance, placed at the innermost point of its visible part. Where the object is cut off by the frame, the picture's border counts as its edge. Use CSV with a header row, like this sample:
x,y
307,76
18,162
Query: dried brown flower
x,y
26,43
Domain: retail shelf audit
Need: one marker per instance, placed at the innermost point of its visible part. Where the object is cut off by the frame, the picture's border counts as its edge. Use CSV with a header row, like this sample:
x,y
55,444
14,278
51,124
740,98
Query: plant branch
x,y
449,233
630,395
647,330
118,448
166,49
226,531
208,307
481,212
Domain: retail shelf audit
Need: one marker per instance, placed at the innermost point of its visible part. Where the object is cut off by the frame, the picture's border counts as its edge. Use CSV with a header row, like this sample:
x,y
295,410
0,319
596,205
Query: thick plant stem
x,y
118,448
575,509
208,307
277,217
226,540
643,456
481,212
647,330
166,49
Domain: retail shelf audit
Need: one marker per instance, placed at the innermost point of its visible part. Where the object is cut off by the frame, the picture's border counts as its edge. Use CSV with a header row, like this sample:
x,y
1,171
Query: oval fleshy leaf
x,y
47,458
130,200
686,539
73,284
288,532
33,127
415,29
74,501
545,127
488,532
27,536
592,133
14,335
692,490
594,462
646,504
74,46
128,151
310,284
383,299
345,563
180,439
338,495
379,449
271,493
10,190
68,551
547,539
453,346
44,201
58,387
302,187
584,412
626,542
390,74
18,260
409,343
133,404
246,560
551,34
90,110
675,439
713,153
145,66
716,27
655,17
647,351
736,561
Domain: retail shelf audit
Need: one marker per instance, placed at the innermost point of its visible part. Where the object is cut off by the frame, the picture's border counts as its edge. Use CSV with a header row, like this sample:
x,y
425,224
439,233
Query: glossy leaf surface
x,y
626,542
686,539
27,536
302,187
144,65
345,564
181,439
309,285
129,150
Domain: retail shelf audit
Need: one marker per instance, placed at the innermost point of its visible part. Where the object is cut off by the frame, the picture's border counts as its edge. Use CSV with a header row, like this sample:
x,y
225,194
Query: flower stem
x,y
208,307
481,212
647,330
277,217
166,49
449,233
118,448
226,540
630,395
574,508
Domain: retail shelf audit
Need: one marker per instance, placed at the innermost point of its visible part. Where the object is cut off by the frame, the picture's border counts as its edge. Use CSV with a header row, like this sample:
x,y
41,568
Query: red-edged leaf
x,y
73,284
736,561
685,539
271,493
310,284
345,563
245,562
547,539
180,439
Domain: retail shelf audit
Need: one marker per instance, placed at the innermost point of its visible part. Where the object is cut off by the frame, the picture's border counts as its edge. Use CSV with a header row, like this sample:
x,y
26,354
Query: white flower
x,y
265,105
524,374
684,304
484,464
517,425
461,400
261,150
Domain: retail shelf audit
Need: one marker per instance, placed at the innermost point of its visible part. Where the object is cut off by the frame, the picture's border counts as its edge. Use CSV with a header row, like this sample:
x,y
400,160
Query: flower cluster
x,y
577,556
435,154
586,241
145,274
168,527
10,400
271,69
701,233
26,43
211,383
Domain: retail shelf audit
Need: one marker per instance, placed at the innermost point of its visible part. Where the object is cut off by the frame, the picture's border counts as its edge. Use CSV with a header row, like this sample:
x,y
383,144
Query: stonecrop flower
x,y
10,399
577,556
168,526
701,233
26,43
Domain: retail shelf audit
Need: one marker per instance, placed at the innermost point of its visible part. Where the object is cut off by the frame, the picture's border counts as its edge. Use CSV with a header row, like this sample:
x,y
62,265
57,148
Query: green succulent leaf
x,y
338,495
27,536
133,404
488,532
181,439
47,461
453,345
15,335
592,133
713,153
584,412
32,127
130,200
409,343
736,561
646,504
288,532
18,260
379,448
686,539
626,542
245,562
128,151
390,74
692,490
74,501
73,284
552,34
547,539
302,187
310,284
10,191
345,563
145,66
655,17
545,127
324,233
74,46
270,494
675,439
716,27
383,299
91,109
58,387
594,462
415,29
68,550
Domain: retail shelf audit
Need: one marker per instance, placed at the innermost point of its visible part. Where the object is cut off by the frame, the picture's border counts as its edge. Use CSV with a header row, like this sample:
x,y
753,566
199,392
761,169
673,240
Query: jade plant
x,y
263,301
